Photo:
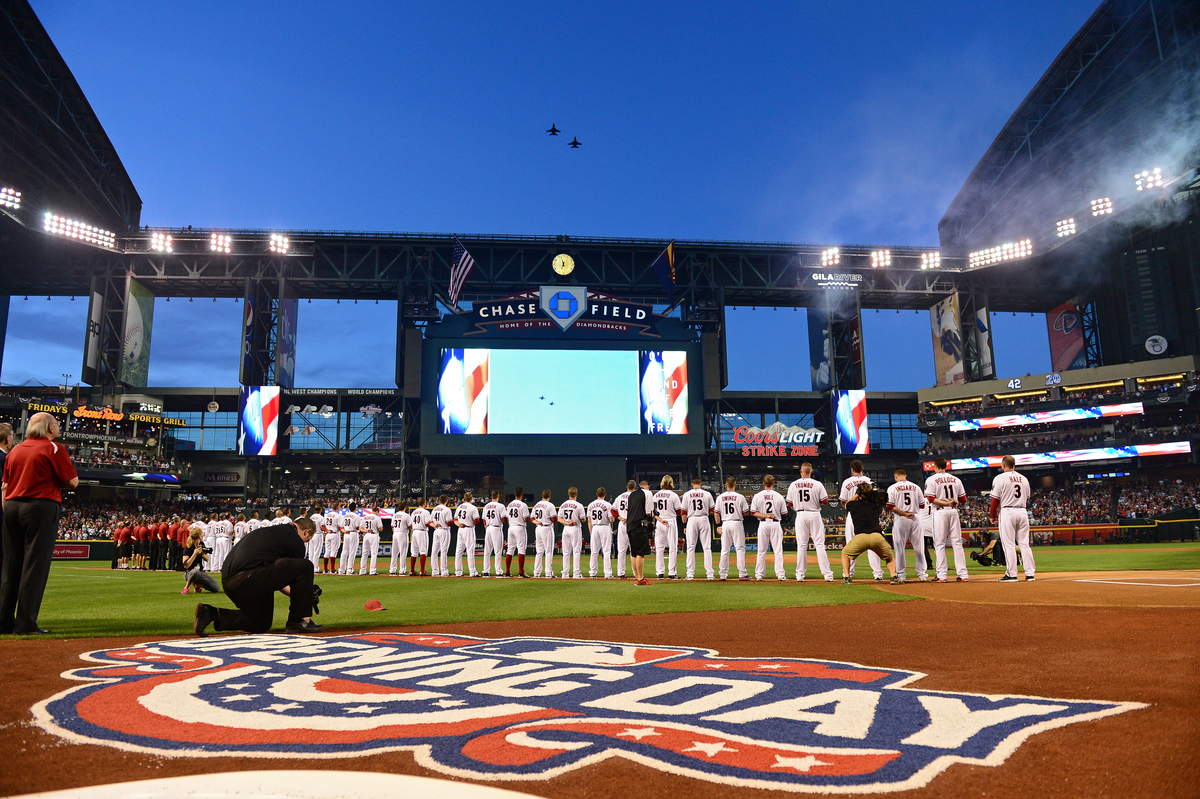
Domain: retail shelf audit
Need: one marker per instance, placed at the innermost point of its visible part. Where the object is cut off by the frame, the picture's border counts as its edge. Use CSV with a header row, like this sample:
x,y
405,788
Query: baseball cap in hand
x,y
374,604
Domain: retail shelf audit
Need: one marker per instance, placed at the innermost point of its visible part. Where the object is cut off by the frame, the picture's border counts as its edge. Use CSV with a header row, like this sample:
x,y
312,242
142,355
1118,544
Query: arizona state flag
x,y
664,267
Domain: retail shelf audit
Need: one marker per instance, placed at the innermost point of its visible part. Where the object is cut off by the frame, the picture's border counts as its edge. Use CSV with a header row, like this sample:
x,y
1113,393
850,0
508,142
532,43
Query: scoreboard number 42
x,y
1051,380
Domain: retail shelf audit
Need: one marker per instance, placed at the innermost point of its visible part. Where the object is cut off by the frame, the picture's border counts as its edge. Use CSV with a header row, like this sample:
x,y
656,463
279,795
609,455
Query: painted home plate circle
x,y
293,784
532,708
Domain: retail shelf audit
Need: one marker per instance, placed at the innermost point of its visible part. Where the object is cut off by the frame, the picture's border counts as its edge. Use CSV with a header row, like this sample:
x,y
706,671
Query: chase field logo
x,y
518,709
564,304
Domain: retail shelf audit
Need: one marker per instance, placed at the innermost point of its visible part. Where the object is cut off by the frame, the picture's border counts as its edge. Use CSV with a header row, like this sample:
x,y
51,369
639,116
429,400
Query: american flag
x,y
459,269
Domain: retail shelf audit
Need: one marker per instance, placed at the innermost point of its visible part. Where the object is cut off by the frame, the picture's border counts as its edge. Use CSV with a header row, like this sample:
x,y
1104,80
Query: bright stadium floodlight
x,y
830,257
1066,227
1102,206
219,242
279,244
1150,179
931,260
881,258
1004,252
161,242
74,229
10,198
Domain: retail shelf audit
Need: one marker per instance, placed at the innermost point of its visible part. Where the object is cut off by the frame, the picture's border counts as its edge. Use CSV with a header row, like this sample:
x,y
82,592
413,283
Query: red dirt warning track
x,y
1058,637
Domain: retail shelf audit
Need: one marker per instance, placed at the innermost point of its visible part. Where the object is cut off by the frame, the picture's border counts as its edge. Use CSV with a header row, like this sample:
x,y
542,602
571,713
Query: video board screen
x,y
1045,417
258,420
562,392
1070,456
850,421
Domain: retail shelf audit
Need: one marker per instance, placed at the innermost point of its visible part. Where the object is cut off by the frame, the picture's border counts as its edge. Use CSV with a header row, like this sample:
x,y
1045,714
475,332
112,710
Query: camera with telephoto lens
x,y
206,550
316,599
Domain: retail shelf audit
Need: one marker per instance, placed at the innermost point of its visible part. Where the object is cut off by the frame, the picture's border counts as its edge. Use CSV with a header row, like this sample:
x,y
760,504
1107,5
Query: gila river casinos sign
x,y
517,709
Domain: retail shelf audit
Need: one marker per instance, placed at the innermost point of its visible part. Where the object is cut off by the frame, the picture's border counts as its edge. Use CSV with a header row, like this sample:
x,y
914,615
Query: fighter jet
x,y
541,398
574,143
554,131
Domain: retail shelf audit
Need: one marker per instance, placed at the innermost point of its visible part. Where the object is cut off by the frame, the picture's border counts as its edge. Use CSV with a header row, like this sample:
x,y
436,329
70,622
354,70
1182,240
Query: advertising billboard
x,y
1064,326
1071,456
820,350
246,364
850,422
947,342
982,331
1047,417
258,420
139,323
91,342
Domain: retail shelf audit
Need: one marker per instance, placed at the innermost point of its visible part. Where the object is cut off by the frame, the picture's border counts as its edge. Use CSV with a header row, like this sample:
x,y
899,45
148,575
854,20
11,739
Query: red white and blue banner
x,y
258,421
1070,456
1047,417
519,709
850,422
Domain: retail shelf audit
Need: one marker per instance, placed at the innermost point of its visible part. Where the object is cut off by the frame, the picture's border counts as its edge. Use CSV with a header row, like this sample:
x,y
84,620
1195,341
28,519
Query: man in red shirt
x,y
35,472
173,547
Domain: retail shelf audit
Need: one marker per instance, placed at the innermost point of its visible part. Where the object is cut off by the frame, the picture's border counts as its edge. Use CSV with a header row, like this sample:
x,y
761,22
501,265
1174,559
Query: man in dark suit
x,y
6,443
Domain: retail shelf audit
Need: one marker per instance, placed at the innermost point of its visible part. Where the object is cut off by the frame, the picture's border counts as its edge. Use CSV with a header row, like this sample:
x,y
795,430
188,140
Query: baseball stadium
x,y
487,579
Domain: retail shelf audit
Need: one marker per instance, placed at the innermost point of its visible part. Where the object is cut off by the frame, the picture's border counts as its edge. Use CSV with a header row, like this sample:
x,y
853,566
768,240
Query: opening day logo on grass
x,y
534,708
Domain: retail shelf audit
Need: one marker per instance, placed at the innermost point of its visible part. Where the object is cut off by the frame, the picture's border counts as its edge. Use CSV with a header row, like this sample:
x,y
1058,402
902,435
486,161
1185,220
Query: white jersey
x,y
732,507
401,522
222,529
333,521
946,486
493,515
850,486
571,512
468,514
348,523
441,517
667,505
282,520
319,522
1011,488
906,496
698,503
770,502
240,530
518,513
370,523
544,513
807,494
419,519
621,507
599,513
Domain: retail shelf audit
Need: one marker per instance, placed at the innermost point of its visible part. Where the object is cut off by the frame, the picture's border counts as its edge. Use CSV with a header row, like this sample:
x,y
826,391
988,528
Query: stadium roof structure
x,y
1121,97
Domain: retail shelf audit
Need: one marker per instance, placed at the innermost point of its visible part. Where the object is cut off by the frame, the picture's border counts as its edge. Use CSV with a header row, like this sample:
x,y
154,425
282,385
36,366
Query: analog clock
x,y
564,264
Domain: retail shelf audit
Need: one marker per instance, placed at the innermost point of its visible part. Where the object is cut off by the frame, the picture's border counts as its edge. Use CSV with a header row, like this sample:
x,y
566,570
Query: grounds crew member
x,y
267,560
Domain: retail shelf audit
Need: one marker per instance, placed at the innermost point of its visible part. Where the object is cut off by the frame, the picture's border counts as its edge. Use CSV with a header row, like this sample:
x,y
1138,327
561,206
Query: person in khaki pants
x,y
864,511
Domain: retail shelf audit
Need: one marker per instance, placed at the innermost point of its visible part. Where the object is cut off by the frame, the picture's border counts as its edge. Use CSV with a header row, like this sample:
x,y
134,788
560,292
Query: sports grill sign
x,y
562,308
535,708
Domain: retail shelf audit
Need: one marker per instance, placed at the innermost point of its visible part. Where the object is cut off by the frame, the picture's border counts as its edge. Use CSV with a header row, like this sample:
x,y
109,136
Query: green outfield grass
x,y
88,599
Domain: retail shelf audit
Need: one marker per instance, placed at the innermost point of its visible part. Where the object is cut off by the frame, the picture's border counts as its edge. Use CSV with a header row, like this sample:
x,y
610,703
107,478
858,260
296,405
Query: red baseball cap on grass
x,y
374,604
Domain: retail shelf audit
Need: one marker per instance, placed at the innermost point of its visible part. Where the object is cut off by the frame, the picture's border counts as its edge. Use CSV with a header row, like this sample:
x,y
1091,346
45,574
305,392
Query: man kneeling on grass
x,y
267,560
864,510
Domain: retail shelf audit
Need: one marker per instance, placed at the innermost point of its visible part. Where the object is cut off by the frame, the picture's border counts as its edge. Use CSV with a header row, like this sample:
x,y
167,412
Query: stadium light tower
x,y
1066,227
931,260
1009,251
1150,179
74,229
881,258
831,257
1102,206
10,198
278,244
219,242
161,242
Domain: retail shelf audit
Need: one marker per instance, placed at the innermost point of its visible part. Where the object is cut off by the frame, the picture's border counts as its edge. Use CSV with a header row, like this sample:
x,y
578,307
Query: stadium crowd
x,y
125,459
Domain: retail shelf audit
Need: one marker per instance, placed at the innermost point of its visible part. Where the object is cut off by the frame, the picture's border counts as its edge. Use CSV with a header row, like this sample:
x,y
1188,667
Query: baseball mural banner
x,y
947,342
1065,329
139,322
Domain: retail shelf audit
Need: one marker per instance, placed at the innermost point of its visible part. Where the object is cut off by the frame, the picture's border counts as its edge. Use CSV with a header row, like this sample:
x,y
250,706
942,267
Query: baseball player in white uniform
x,y
370,525
442,520
210,535
850,491
544,515
600,519
466,516
240,528
494,514
697,506
806,496
731,509
518,534
333,541
223,542
946,491
348,522
571,514
253,523
769,507
401,524
905,500
419,544
667,508
316,544
1010,492
282,517
620,508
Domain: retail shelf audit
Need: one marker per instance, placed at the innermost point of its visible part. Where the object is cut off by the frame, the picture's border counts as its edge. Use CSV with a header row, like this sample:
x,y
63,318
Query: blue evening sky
x,y
848,122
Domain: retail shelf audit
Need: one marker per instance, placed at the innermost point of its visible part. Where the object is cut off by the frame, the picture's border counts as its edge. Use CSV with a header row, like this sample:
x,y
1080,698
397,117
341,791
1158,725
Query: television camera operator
x,y
267,560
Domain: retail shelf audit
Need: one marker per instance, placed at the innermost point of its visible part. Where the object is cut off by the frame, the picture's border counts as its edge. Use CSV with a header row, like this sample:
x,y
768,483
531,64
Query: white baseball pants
x,y
1014,532
601,546
733,535
493,548
666,537
465,545
370,545
698,529
905,531
770,534
810,526
947,526
572,543
872,558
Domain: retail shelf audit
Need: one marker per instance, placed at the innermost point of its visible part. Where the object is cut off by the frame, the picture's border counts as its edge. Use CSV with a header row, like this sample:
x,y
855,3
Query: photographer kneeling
x,y
193,565
267,560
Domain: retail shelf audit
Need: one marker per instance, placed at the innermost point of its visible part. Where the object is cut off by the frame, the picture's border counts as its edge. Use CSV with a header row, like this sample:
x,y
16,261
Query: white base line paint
x,y
1151,585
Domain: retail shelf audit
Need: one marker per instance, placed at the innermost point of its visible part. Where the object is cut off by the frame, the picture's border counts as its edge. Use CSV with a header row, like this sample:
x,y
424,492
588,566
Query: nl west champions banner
x,y
258,421
850,419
